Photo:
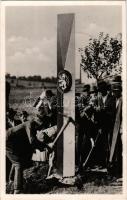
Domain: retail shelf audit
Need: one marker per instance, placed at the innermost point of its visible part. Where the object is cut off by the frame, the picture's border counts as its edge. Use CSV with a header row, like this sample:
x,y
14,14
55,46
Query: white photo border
x,y
5,196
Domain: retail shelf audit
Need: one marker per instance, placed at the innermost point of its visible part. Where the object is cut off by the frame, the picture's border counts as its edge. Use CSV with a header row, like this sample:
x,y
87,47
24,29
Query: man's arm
x,y
14,130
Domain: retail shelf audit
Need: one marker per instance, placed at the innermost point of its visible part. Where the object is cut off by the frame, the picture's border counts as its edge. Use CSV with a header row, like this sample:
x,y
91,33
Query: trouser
x,y
115,167
104,146
16,172
87,130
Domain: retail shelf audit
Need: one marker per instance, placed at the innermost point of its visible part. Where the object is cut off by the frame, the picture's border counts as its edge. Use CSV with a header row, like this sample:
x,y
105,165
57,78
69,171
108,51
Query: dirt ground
x,y
94,181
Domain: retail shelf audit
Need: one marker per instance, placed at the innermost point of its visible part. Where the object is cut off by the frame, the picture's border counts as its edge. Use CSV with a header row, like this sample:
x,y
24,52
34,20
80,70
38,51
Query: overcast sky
x,y
31,35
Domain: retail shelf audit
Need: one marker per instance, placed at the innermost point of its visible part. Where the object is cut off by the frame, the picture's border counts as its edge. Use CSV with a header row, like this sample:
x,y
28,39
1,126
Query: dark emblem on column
x,y
64,81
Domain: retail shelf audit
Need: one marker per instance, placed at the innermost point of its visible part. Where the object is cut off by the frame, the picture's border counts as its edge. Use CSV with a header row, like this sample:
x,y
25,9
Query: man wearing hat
x,y
19,152
86,128
105,112
85,96
115,158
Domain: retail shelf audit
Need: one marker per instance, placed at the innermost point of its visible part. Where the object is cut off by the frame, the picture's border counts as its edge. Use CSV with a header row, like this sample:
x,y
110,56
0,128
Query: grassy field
x,y
23,99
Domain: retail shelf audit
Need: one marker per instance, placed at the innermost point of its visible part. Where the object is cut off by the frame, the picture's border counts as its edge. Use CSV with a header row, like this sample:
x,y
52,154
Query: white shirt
x,y
104,98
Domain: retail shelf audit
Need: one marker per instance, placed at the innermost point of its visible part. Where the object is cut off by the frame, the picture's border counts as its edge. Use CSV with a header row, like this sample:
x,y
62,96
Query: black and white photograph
x,y
64,98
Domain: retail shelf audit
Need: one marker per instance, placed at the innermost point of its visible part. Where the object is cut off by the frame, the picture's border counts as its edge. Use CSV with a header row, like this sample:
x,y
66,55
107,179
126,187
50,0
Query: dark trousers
x,y
86,130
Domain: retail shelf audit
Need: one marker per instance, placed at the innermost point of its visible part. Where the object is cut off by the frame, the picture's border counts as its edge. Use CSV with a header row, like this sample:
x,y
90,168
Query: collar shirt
x,y
104,98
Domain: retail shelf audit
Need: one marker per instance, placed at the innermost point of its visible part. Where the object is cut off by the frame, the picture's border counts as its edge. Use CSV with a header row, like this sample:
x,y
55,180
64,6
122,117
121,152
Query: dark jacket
x,y
106,114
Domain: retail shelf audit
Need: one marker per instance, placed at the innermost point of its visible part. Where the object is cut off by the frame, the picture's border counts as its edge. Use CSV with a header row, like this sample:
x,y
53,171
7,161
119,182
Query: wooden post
x,y
66,93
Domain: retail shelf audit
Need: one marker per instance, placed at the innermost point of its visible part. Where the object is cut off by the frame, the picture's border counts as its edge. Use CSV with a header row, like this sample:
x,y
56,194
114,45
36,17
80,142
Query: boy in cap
x,y
18,151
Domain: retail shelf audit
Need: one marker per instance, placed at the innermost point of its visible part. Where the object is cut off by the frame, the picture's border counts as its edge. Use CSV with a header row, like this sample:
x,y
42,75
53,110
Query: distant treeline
x,y
33,78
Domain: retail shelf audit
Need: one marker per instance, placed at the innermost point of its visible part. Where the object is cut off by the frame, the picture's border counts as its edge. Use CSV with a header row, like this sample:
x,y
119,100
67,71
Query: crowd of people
x,y
98,119
99,126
